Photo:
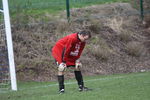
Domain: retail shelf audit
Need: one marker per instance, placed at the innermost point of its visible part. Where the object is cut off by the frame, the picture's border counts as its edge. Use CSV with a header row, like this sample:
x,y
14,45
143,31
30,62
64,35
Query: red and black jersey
x,y
68,49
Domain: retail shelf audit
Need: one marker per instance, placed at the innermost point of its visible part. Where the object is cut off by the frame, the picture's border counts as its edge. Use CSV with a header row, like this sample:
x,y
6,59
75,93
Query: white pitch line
x,y
92,80
69,83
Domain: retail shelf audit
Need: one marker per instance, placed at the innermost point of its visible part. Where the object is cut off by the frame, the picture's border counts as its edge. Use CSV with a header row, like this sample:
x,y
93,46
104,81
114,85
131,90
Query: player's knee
x,y
62,67
60,72
77,68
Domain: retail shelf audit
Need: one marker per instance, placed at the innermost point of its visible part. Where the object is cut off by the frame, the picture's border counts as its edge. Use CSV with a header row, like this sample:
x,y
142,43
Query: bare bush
x,y
95,40
116,24
134,48
101,53
62,27
125,35
101,50
95,26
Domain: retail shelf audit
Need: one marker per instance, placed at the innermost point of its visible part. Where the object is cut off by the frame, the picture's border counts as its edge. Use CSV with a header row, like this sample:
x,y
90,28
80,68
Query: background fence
x,y
53,6
38,4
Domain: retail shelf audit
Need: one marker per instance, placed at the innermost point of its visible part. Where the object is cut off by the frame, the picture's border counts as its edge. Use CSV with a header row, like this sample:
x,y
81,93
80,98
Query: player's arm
x,y
67,49
81,49
62,66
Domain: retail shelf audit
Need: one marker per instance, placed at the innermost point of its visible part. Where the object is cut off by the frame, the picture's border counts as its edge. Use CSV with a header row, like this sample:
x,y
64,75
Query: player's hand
x,y
78,64
62,67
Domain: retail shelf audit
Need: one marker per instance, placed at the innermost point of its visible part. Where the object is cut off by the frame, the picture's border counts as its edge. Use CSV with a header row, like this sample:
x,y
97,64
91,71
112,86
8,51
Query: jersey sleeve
x,y
83,45
67,49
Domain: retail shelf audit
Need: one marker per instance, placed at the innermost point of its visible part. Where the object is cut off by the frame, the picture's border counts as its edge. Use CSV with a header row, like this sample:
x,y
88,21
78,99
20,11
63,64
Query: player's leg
x,y
61,82
57,54
61,69
78,74
79,78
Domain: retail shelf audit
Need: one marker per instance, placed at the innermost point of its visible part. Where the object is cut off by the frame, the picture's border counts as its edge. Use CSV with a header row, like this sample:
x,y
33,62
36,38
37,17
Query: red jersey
x,y
68,49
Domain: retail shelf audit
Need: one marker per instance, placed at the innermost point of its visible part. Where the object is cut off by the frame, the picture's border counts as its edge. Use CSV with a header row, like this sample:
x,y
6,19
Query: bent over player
x,y
66,52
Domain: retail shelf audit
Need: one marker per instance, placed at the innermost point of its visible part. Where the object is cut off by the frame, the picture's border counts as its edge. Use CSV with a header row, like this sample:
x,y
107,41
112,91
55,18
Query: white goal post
x,y
5,11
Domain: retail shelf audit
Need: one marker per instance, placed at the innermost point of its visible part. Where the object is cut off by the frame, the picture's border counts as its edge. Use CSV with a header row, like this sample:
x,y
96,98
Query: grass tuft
x,y
134,48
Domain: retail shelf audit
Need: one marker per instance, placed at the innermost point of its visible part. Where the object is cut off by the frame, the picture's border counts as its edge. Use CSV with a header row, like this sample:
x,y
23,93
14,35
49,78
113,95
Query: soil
x,y
113,27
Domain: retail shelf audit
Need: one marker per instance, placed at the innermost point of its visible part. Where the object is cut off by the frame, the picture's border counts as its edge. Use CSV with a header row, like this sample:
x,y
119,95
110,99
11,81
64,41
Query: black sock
x,y
61,82
79,78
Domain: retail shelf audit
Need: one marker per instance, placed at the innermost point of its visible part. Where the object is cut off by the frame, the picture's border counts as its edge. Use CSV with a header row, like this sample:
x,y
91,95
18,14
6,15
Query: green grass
x,y
135,86
52,6
22,10
39,9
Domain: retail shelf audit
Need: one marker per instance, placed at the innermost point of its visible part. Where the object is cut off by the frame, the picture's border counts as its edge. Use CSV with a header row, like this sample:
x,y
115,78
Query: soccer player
x,y
67,52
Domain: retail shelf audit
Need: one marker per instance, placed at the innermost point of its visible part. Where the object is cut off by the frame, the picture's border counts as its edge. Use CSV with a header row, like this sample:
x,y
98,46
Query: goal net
x,y
4,65
7,67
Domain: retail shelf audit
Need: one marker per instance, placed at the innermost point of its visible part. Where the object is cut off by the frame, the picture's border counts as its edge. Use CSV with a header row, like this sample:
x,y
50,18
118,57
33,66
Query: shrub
x,y
101,53
116,24
95,26
95,40
62,27
134,48
101,50
125,35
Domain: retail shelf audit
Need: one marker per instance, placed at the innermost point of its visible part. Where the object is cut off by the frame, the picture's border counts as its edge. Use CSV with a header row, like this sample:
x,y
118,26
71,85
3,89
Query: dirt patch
x,y
113,27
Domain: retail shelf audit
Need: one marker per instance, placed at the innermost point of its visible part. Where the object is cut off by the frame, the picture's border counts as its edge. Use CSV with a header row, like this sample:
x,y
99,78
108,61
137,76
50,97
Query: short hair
x,y
85,33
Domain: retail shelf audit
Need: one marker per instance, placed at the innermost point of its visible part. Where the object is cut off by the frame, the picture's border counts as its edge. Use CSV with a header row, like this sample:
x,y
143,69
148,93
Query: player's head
x,y
84,35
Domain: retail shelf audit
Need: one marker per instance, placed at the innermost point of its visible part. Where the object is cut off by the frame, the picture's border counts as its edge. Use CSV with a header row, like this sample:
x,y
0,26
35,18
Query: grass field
x,y
40,9
135,86
52,6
